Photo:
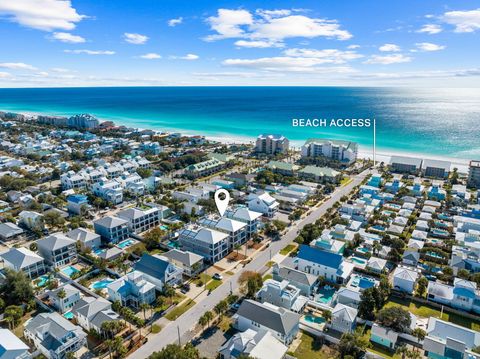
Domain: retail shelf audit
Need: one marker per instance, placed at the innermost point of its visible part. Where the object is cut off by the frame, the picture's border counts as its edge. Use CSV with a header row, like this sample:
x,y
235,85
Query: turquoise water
x,y
69,271
42,281
359,260
126,243
163,227
325,295
314,319
431,121
69,315
101,284
363,282
98,251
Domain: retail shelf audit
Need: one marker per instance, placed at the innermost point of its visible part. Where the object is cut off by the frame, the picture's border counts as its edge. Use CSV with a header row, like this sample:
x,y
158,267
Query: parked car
x,y
217,276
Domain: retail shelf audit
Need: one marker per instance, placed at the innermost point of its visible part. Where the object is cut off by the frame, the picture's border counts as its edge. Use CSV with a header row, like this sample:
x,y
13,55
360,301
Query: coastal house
x,y
112,229
259,344
53,335
110,191
77,204
404,279
158,270
206,242
141,219
383,336
305,282
262,203
282,294
31,220
320,174
72,180
204,168
23,259
11,347
343,318
132,183
87,238
64,298
9,231
347,296
281,322
250,218
236,230
282,168
91,313
190,263
132,290
58,250
463,295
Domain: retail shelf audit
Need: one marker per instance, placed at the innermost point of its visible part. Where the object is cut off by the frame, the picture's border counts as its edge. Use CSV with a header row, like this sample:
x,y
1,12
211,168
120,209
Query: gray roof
x,y
384,333
110,221
21,257
437,164
404,160
185,257
89,306
82,235
444,330
154,266
293,275
54,242
9,229
278,319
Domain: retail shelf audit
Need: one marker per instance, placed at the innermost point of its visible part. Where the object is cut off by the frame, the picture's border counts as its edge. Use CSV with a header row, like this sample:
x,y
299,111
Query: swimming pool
x,y
126,243
314,319
69,271
69,315
362,282
101,284
359,260
363,249
99,251
172,244
164,227
325,295
42,281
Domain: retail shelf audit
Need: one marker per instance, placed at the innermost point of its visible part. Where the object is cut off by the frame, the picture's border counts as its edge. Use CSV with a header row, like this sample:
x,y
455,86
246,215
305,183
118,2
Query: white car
x,y
217,276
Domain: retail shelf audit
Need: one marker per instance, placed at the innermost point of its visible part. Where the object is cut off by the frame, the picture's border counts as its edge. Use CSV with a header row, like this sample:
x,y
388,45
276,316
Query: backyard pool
x,y
69,315
101,284
69,271
126,243
164,227
42,281
325,295
99,251
359,260
362,282
314,319
172,244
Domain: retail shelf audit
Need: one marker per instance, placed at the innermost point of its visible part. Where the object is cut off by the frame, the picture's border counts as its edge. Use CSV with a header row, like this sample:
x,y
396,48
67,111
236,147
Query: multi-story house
x,y
64,298
23,259
342,151
53,335
271,144
58,250
132,183
112,229
31,220
141,220
110,191
204,168
77,204
158,270
132,290
87,238
263,203
11,347
71,180
90,313
190,263
209,243
282,294
236,230
243,214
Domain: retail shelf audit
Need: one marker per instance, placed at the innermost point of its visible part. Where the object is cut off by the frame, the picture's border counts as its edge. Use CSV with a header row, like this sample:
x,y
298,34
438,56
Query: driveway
x,y
182,325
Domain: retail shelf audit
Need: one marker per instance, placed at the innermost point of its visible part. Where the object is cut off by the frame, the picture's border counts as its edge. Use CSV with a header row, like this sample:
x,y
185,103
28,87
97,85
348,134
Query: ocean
x,y
425,121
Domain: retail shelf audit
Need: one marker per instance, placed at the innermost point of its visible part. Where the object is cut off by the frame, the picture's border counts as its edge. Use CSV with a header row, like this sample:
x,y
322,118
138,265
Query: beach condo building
x,y
263,203
110,191
474,174
77,203
243,214
204,168
281,322
403,164
329,265
342,151
283,168
435,168
206,242
141,219
58,250
132,290
271,144
448,340
71,180
112,229
53,335
236,230
23,259
83,121
320,174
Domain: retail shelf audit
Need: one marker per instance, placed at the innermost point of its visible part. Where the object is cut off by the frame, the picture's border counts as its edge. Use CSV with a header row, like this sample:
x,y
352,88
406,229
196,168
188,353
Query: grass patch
x,y
156,328
270,264
287,249
213,284
229,273
425,311
225,323
179,310
345,181
310,348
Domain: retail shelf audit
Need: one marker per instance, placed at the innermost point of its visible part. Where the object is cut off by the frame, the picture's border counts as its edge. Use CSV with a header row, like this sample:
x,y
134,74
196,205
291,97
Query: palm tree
x,y
376,247
419,333
209,316
169,292
109,345
402,350
202,321
327,315
144,307
61,293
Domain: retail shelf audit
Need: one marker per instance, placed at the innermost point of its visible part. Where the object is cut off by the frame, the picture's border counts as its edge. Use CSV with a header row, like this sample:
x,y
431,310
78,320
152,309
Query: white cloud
x,y
428,46
136,39
353,47
228,24
90,52
389,48
151,56
188,57
47,15
4,75
69,38
259,44
60,70
430,29
175,22
464,21
17,66
333,56
272,26
388,59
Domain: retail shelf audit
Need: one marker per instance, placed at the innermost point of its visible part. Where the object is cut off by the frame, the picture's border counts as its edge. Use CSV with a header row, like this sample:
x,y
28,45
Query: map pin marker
x,y
222,204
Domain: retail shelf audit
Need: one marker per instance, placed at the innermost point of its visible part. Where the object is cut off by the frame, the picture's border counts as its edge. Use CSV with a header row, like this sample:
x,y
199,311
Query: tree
x,y
327,315
250,283
353,344
395,318
208,316
422,286
366,308
61,293
16,287
221,307
144,307
169,292
175,351
12,314
419,333
202,321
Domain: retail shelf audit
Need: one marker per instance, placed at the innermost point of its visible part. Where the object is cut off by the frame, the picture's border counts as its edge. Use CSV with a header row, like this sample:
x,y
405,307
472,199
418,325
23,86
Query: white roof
x,y
210,236
405,273
10,342
230,225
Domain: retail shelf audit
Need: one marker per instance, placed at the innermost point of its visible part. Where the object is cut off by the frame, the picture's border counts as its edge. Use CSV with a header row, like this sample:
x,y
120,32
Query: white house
x,y
263,203
11,347
343,318
132,290
404,279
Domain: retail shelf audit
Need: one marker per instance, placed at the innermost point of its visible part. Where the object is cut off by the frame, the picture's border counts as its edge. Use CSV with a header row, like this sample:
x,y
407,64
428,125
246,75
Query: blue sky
x,y
179,42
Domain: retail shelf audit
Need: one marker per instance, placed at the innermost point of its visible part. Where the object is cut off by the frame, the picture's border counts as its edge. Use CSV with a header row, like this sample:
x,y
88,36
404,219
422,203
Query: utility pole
x,y
178,331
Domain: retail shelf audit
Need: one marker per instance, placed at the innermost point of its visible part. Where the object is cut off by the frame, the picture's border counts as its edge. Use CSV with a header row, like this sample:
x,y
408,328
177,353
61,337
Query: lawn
x,y
287,249
310,349
179,310
345,181
425,311
213,284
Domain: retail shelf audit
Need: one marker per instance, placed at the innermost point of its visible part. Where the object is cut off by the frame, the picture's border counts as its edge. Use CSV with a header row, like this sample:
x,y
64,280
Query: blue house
x,y
76,202
375,181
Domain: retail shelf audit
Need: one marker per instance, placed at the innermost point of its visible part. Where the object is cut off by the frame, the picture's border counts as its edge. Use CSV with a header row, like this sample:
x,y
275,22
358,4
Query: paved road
x,y
184,323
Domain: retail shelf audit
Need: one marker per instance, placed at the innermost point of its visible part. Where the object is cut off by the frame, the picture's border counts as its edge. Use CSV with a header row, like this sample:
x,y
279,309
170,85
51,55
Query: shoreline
x,y
382,155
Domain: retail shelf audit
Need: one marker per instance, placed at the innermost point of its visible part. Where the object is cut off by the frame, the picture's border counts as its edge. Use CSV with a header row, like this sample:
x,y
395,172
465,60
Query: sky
x,y
57,43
